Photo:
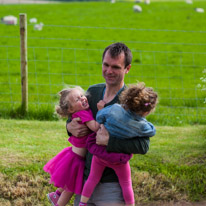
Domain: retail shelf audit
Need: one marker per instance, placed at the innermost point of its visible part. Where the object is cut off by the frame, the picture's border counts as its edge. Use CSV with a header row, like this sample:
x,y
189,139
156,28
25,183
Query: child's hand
x,y
102,136
100,104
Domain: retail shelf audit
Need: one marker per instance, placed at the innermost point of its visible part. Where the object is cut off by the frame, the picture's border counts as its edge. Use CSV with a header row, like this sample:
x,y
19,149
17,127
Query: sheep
x,y
38,26
9,20
33,20
147,1
189,1
137,8
200,10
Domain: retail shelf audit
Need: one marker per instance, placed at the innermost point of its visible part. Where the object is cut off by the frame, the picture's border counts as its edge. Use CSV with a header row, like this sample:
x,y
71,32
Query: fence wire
x,y
174,74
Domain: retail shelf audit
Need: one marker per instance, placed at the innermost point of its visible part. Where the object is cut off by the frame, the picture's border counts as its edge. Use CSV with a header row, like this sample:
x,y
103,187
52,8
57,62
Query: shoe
x,y
53,198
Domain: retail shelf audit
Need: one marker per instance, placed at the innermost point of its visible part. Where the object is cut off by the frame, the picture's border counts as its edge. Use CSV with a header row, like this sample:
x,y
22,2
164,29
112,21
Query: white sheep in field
x,y
9,20
33,20
189,1
147,1
199,10
38,26
137,8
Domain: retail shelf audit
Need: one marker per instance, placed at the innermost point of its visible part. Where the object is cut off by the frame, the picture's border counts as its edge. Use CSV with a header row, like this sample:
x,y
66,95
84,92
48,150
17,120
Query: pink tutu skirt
x,y
66,170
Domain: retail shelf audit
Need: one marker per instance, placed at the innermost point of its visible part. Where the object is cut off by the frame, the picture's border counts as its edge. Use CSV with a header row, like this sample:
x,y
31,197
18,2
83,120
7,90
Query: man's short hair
x,y
116,49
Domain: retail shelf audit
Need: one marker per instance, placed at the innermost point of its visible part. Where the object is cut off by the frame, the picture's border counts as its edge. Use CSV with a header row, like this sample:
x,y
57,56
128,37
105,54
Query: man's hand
x,y
76,129
102,137
100,104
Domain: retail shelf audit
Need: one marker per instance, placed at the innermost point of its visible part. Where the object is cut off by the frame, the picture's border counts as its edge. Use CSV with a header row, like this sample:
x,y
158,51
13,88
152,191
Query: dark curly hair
x,y
138,98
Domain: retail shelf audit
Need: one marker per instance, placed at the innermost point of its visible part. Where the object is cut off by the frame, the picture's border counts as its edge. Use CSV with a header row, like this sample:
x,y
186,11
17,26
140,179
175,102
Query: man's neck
x,y
111,92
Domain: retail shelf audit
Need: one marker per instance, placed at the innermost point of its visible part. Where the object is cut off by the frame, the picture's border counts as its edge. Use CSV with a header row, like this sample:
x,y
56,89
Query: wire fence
x,y
173,69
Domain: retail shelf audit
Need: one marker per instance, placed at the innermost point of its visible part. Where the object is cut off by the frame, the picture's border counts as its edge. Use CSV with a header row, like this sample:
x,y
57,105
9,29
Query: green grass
x,y
174,169
167,40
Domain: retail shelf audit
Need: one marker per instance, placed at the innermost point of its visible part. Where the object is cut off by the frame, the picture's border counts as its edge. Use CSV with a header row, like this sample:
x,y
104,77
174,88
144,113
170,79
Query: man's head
x,y
116,49
116,62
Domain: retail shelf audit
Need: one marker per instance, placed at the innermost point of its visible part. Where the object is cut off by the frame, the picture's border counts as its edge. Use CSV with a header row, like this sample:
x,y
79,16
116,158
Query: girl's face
x,y
77,100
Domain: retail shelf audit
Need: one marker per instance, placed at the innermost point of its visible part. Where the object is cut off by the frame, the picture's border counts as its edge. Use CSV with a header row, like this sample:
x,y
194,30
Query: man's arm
x,y
136,145
76,129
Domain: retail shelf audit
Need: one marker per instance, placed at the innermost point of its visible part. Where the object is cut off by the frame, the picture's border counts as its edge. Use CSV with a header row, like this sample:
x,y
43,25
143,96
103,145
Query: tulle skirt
x,y
66,170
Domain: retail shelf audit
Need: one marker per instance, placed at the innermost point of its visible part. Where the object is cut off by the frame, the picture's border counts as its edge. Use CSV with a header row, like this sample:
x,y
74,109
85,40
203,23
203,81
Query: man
x,y
116,62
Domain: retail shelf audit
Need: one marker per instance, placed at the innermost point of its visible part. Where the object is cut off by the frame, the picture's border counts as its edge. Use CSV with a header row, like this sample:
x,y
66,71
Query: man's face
x,y
113,69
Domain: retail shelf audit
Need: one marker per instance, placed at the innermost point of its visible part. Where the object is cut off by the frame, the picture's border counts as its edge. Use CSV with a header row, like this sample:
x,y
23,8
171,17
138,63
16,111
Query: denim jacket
x,y
124,124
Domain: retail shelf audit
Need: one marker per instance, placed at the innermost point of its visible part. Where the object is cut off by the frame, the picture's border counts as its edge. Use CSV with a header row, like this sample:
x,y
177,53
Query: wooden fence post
x,y
24,72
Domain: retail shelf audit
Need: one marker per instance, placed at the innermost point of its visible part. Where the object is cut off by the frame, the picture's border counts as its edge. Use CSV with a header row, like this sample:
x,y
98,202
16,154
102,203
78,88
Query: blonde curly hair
x,y
138,98
64,105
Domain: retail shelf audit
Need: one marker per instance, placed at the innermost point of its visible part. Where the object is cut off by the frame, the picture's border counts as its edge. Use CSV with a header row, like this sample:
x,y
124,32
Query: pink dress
x,y
66,168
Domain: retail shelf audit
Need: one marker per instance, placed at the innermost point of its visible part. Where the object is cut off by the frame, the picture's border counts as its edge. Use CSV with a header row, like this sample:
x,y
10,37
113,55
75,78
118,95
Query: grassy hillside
x,y
167,40
174,169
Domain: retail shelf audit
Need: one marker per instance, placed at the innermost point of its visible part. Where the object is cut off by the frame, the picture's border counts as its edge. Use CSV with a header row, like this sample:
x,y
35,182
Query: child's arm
x,y
93,125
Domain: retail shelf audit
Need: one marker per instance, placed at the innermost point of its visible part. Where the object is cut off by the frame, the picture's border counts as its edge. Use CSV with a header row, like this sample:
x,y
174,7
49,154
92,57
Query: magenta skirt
x,y
66,170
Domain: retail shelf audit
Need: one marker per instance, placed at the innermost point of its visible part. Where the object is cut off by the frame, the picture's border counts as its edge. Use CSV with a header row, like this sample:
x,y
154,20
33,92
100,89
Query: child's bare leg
x,y
60,190
64,198
84,199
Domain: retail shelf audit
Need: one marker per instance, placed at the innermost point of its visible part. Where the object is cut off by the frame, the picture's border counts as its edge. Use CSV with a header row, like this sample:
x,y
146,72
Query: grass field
x,y
174,169
168,44
167,40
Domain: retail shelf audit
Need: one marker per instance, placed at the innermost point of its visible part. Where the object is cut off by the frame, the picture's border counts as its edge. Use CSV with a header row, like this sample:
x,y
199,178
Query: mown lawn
x,y
174,169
